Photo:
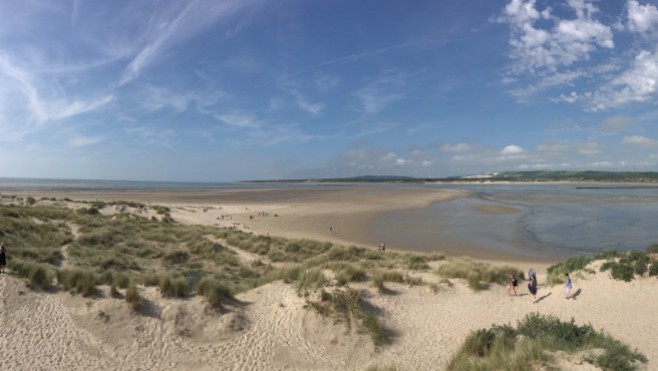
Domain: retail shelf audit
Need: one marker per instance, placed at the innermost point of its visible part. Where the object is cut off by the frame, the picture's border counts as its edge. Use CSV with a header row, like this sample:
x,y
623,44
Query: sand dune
x,y
269,329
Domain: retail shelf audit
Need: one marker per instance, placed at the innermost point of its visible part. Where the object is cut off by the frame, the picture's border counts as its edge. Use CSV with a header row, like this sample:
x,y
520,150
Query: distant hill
x,y
561,175
506,176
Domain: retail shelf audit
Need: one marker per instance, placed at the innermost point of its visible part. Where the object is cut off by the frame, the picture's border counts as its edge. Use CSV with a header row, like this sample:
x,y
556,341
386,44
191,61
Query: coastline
x,y
305,213
270,327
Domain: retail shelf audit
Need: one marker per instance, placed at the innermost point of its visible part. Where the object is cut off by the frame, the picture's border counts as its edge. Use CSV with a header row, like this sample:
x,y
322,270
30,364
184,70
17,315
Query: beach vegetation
x,y
78,281
349,307
477,274
310,279
532,342
625,266
132,297
214,292
172,287
416,262
556,272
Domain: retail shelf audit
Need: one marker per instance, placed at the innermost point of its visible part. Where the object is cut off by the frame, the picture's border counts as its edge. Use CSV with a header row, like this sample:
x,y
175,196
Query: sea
x,y
552,220
564,219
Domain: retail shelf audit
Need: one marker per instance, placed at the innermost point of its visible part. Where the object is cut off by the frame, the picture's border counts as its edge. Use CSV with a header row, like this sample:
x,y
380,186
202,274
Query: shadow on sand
x,y
543,297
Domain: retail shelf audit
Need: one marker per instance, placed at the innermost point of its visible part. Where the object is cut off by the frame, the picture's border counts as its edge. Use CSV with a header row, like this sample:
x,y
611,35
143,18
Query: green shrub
x,y
500,347
173,287
214,291
121,280
373,326
114,292
556,272
77,281
378,283
416,262
310,279
38,277
132,297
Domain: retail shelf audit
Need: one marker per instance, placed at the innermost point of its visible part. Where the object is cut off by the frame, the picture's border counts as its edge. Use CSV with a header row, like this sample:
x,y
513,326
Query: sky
x,y
226,90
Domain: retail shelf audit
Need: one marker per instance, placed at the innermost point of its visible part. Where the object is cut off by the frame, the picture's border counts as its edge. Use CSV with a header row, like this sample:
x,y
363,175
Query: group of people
x,y
532,285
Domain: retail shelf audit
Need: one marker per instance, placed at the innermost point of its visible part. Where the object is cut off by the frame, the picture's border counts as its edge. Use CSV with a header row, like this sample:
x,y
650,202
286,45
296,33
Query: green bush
x,y
38,277
416,262
556,272
78,281
173,287
500,347
214,291
132,297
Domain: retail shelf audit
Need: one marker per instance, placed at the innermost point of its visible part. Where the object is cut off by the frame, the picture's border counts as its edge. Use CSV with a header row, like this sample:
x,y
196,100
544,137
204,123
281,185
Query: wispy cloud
x,y
239,120
82,141
641,141
34,103
153,98
175,24
381,91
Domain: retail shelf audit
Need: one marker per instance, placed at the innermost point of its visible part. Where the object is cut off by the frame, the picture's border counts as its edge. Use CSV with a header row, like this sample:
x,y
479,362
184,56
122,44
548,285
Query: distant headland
x,y
502,177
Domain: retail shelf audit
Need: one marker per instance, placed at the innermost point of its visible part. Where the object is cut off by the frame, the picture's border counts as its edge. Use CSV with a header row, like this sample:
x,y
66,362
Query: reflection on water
x,y
550,219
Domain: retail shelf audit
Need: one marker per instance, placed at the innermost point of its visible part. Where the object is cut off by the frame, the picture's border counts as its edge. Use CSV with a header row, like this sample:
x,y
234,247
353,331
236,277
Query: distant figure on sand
x,y
331,230
382,246
511,287
532,284
567,285
3,257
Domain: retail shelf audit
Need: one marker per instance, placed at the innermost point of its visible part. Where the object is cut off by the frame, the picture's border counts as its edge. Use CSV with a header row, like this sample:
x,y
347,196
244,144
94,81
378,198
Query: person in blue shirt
x,y
567,284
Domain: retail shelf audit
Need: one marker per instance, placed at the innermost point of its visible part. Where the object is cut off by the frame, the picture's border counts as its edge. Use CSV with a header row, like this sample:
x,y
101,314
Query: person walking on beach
x,y
567,285
331,229
382,247
511,287
3,257
532,284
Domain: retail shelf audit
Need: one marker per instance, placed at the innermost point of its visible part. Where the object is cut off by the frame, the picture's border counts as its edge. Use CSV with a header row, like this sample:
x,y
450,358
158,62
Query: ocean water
x,y
551,219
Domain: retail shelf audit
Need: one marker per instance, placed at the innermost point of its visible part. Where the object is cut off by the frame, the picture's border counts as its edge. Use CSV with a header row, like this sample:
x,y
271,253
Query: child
x,y
567,284
511,288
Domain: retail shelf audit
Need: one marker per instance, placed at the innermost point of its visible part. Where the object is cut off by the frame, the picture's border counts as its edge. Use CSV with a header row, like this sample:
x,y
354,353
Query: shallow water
x,y
551,220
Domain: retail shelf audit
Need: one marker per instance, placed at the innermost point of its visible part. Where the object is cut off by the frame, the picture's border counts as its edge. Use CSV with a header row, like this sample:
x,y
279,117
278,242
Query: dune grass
x,y
477,274
347,306
623,266
530,344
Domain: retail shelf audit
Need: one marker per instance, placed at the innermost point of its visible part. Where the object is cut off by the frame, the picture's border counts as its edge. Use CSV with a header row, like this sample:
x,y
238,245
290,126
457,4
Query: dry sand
x,y
268,329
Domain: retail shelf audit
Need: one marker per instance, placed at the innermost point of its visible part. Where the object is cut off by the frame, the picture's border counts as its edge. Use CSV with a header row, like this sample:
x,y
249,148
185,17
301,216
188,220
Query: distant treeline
x,y
507,176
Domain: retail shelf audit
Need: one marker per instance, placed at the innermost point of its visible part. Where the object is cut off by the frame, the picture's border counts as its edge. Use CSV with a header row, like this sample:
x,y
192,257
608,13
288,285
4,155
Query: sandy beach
x,y
268,328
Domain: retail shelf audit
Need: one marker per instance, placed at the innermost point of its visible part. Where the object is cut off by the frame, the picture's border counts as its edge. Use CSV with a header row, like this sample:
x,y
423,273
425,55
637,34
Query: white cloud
x,y
312,108
638,140
642,18
511,149
457,148
382,91
427,163
639,83
154,98
239,120
536,47
82,141
616,124
589,148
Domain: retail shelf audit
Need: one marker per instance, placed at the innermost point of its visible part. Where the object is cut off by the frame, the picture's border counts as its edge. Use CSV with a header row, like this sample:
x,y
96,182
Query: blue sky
x,y
230,90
